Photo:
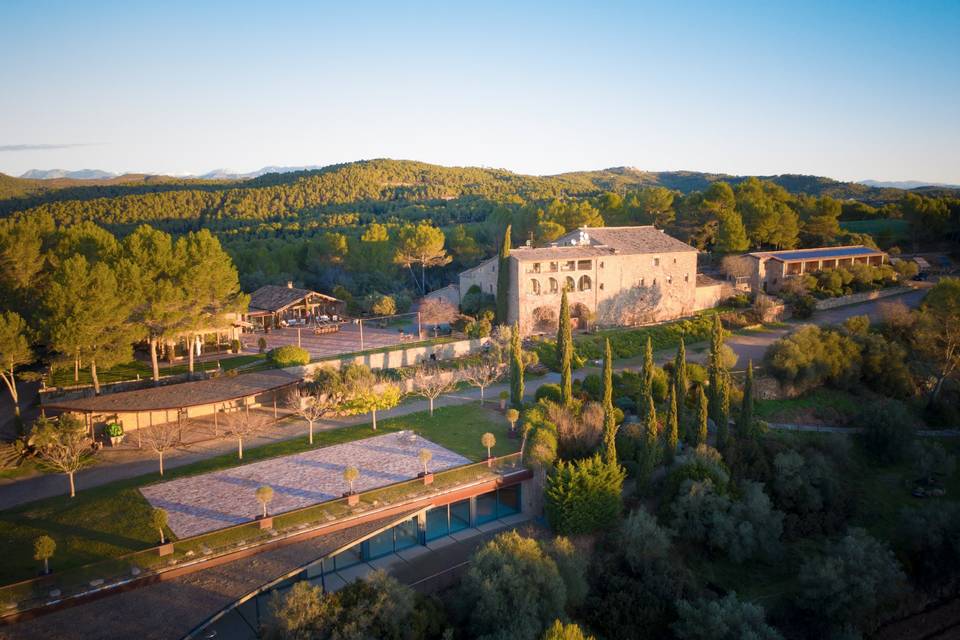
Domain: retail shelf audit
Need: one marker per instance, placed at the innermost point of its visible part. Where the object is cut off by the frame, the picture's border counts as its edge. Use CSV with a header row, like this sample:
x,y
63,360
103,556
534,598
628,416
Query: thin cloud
x,y
39,147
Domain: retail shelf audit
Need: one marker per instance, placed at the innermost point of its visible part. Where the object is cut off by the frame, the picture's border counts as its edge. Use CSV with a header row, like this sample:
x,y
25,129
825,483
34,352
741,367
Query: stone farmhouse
x,y
614,276
767,271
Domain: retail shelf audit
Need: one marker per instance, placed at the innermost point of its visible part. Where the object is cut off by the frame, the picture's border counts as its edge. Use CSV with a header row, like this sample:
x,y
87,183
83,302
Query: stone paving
x,y
329,345
203,503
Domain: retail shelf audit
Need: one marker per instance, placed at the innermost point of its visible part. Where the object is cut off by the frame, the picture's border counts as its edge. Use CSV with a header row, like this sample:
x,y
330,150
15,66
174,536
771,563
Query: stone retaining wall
x,y
856,298
399,357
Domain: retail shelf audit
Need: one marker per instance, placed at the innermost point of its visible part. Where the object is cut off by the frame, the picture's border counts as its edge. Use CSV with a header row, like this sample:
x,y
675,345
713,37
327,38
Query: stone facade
x,y
613,276
769,270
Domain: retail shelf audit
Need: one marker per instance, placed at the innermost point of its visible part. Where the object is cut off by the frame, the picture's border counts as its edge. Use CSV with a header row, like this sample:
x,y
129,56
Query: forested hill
x,y
140,198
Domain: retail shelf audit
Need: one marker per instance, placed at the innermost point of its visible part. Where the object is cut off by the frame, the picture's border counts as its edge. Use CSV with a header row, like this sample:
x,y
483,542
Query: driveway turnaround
x,y
202,503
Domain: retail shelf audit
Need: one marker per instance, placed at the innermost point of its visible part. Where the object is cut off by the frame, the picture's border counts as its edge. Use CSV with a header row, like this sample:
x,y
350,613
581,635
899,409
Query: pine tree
x,y
680,382
565,352
503,278
745,427
671,430
609,419
516,368
701,424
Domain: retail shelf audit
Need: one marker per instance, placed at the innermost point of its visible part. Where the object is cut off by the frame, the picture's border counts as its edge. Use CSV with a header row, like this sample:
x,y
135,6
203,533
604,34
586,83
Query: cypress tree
x,y
745,427
723,412
565,352
503,278
649,451
715,369
680,382
645,396
609,419
701,424
671,430
516,368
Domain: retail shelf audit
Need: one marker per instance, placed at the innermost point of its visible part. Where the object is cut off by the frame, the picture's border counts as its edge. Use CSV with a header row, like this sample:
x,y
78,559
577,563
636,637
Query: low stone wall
x,y
856,298
399,357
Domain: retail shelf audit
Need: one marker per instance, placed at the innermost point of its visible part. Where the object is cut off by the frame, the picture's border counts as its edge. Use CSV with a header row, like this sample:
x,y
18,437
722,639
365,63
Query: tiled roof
x,y
178,396
603,241
273,297
818,253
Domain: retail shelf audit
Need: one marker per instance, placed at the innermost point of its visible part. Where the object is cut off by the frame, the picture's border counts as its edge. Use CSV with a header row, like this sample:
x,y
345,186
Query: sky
x,y
846,89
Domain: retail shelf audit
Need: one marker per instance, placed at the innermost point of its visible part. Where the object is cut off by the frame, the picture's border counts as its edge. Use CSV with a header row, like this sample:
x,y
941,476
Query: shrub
x,y
742,530
642,539
114,430
561,631
510,578
812,357
584,495
572,566
236,346
724,619
928,538
888,430
702,463
549,391
808,489
289,356
851,580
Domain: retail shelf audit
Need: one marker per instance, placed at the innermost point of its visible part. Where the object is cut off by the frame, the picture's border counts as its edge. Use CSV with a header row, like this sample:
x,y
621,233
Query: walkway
x,y
128,464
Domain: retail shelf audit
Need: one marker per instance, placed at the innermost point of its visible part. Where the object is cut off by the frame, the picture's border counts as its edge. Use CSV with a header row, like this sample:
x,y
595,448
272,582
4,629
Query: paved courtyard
x,y
203,503
346,340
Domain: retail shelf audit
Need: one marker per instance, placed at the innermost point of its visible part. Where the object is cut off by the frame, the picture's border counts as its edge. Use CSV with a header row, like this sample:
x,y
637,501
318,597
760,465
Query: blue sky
x,y
850,90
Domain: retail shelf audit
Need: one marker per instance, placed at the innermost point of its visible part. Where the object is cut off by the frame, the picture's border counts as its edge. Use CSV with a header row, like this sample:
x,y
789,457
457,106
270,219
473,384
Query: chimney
x,y
289,284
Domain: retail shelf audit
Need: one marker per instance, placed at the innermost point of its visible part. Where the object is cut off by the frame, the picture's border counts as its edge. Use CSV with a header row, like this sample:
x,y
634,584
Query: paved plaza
x,y
346,340
203,503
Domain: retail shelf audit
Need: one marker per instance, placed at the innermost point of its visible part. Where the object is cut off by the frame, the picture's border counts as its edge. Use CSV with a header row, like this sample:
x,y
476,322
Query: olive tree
x,y
264,495
43,549
63,446
159,519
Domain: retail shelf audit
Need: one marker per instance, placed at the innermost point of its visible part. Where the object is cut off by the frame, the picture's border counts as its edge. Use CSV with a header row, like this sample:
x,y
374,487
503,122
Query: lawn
x,y
112,520
135,369
822,405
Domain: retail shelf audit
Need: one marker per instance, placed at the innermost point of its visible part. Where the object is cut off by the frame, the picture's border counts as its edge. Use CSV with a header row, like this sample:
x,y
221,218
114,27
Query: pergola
x,y
271,304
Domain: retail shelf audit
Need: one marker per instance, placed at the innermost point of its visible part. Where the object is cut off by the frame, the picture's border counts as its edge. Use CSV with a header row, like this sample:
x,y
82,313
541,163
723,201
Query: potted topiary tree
x,y
504,396
264,496
43,548
159,518
350,474
425,456
262,344
489,441
512,416
115,433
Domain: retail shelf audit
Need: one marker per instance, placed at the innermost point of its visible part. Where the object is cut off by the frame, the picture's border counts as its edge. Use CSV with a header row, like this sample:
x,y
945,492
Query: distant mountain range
x,y
907,184
216,174
227,174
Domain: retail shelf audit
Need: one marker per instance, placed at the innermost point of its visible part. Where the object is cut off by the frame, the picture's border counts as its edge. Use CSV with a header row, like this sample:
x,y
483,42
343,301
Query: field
x,y
112,520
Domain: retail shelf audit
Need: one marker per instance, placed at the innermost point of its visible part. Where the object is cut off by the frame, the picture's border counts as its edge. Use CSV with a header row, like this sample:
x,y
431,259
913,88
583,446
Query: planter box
x,y
427,477
353,499
115,441
503,405
165,549
490,460
266,523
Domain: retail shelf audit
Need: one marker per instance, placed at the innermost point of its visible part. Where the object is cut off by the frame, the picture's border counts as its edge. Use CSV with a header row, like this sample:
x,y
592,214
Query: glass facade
x,y
440,522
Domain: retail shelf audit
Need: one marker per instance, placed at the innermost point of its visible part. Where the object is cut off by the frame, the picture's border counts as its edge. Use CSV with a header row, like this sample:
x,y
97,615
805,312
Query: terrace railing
x,y
107,574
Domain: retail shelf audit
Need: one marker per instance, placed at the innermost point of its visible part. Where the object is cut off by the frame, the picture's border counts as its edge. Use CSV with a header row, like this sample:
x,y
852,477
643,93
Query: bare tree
x,y
431,383
437,311
63,446
482,375
160,438
736,267
310,405
242,424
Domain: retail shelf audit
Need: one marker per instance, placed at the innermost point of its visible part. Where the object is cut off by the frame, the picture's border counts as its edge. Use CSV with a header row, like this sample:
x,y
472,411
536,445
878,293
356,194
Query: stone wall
x,y
484,275
856,298
623,290
399,357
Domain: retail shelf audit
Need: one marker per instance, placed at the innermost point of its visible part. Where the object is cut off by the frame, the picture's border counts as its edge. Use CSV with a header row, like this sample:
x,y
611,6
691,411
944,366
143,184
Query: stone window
x,y
669,279
656,261
584,265
686,277
569,265
535,286
570,285
585,283
643,282
654,282
554,285
534,268
601,286
601,266
554,267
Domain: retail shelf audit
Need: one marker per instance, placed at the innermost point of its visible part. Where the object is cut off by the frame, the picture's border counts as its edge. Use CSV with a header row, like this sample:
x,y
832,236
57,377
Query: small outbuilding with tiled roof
x,y
274,305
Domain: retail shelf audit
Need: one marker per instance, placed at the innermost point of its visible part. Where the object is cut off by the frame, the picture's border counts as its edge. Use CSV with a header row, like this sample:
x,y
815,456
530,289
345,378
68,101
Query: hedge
x,y
289,356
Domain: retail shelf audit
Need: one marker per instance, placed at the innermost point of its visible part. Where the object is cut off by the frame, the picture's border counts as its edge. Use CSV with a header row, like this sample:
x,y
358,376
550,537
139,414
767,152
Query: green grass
x,y
130,370
112,520
822,402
